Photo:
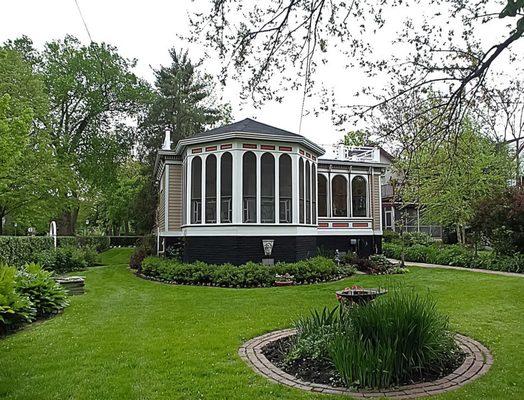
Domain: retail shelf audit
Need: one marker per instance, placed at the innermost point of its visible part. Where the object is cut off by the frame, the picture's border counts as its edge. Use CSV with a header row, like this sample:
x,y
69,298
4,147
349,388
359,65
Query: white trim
x,y
258,168
218,170
203,191
166,198
277,187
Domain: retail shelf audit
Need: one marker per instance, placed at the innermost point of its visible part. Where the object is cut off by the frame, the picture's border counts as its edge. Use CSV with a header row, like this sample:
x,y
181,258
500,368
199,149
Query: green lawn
x,y
128,338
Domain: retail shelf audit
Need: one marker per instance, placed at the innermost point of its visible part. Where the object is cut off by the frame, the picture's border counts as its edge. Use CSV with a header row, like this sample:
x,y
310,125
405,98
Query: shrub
x,y
99,243
47,296
15,308
248,275
412,238
145,248
18,250
392,250
66,259
390,236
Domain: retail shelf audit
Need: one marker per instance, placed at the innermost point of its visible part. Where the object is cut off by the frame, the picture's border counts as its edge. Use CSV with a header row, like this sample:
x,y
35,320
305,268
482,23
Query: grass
x,y
136,339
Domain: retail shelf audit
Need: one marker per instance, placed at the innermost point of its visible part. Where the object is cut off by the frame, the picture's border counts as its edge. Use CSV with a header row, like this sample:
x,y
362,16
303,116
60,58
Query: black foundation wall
x,y
241,249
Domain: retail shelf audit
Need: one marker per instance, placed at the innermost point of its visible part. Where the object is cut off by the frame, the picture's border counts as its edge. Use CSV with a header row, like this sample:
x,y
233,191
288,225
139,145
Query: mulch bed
x,y
323,371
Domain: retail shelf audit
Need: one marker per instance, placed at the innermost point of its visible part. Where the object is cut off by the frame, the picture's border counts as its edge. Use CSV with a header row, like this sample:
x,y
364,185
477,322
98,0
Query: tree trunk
x,y
67,222
2,215
461,234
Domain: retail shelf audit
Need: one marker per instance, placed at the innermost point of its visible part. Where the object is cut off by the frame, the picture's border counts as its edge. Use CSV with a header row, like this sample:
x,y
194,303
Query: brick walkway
x,y
477,362
484,271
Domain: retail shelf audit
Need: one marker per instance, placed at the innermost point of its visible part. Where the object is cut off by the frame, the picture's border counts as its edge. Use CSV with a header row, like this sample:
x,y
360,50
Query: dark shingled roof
x,y
247,125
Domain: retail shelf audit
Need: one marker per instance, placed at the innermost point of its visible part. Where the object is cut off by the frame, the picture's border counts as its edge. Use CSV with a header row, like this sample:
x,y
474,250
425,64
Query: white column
x,y
203,216
189,166
219,185
295,191
259,179
237,186
310,192
166,199
277,188
329,204
350,195
316,194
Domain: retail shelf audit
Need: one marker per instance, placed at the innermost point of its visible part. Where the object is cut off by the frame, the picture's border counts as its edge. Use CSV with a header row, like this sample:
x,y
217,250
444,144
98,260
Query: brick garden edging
x,y
477,362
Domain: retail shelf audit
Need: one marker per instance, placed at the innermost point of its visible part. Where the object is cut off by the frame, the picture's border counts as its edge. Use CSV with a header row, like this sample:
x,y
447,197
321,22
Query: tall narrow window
x,y
308,193
211,189
340,196
314,193
301,189
285,184
322,196
359,196
249,187
226,188
267,188
196,190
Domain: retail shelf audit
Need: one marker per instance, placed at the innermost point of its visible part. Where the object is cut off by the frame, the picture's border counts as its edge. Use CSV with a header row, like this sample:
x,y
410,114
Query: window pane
x,y
249,187
301,189
211,189
340,208
358,192
308,193
226,188
314,192
322,196
267,188
285,189
196,190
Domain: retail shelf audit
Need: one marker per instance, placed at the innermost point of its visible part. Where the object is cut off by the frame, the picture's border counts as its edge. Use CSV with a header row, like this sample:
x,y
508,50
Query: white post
x,y
218,187
277,188
167,140
52,232
295,188
237,191
203,191
259,186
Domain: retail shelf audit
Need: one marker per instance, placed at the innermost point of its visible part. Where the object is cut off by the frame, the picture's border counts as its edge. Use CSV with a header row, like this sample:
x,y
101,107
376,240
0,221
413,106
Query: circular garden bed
x,y
257,353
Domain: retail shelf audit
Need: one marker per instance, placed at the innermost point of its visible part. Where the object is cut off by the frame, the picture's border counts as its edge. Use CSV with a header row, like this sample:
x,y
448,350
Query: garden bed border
x,y
477,362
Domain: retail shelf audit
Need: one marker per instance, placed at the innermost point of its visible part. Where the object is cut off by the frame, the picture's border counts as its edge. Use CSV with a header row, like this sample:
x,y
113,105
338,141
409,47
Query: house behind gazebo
x,y
223,191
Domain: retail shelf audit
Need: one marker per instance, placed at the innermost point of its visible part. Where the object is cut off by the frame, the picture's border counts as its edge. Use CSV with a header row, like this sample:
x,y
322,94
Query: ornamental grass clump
x,y
396,339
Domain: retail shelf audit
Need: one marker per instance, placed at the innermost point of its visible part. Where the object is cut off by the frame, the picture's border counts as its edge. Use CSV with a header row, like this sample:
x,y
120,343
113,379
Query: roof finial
x,y
167,140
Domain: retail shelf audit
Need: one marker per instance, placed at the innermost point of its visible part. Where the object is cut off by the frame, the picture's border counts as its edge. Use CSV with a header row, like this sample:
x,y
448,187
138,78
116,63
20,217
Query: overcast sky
x,y
145,30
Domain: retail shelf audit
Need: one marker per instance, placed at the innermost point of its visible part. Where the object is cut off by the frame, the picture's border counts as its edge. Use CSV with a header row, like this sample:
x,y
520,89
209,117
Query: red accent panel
x,y
323,224
308,155
340,225
249,146
301,151
197,150
267,147
360,225
226,146
285,148
314,158
211,148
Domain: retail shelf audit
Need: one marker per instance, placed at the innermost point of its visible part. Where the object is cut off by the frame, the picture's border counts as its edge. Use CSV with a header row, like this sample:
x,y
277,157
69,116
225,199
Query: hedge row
x,y
455,255
315,269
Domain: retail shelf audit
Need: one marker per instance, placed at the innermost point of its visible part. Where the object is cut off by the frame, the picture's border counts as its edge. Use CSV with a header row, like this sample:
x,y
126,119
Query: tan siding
x,y
375,201
175,197
161,206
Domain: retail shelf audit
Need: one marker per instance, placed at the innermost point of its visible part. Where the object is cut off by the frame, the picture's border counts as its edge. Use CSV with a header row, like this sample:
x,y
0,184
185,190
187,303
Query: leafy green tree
x,y
28,173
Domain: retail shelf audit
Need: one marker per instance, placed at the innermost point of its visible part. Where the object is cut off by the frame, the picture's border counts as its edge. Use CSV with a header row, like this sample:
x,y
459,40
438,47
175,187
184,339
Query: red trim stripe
x,y
197,150
226,146
323,224
211,148
249,146
301,151
340,225
267,147
360,225
285,148
308,155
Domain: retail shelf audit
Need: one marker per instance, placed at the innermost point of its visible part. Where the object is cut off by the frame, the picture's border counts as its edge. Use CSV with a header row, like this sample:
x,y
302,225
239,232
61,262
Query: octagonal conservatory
x,y
222,192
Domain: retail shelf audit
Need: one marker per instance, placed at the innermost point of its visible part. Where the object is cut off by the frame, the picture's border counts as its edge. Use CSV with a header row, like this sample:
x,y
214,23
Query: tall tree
x,y
28,173
186,103
93,93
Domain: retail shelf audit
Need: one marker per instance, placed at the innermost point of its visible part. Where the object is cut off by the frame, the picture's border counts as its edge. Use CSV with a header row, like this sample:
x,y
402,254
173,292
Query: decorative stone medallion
x,y
477,362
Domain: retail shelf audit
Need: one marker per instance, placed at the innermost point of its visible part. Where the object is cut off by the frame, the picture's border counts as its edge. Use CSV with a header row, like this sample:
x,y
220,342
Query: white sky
x,y
146,30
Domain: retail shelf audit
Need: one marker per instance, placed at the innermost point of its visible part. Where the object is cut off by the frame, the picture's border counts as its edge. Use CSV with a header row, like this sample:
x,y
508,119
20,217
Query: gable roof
x,y
248,125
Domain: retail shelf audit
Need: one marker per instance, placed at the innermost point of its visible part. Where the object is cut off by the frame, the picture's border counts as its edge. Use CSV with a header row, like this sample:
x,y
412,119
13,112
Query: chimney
x,y
167,140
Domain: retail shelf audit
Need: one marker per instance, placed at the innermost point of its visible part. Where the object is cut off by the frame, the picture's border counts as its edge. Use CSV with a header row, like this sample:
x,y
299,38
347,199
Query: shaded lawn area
x,y
136,339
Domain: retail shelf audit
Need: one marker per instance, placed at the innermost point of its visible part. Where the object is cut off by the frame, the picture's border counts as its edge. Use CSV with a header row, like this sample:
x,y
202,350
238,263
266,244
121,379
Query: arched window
x,y
285,189
267,188
308,193
226,188
249,187
301,189
211,189
314,193
322,196
340,196
359,196
196,190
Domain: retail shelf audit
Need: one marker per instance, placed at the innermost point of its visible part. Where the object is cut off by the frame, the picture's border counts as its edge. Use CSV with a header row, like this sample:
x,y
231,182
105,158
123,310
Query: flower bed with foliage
x,y
67,259
397,339
317,269
26,294
456,255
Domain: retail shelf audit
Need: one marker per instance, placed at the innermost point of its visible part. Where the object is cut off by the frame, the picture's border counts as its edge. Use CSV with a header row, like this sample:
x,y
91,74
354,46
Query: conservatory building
x,y
248,191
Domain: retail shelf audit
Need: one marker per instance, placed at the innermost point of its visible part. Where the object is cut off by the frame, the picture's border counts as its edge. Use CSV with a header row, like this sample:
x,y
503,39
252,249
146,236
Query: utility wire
x,y
83,20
